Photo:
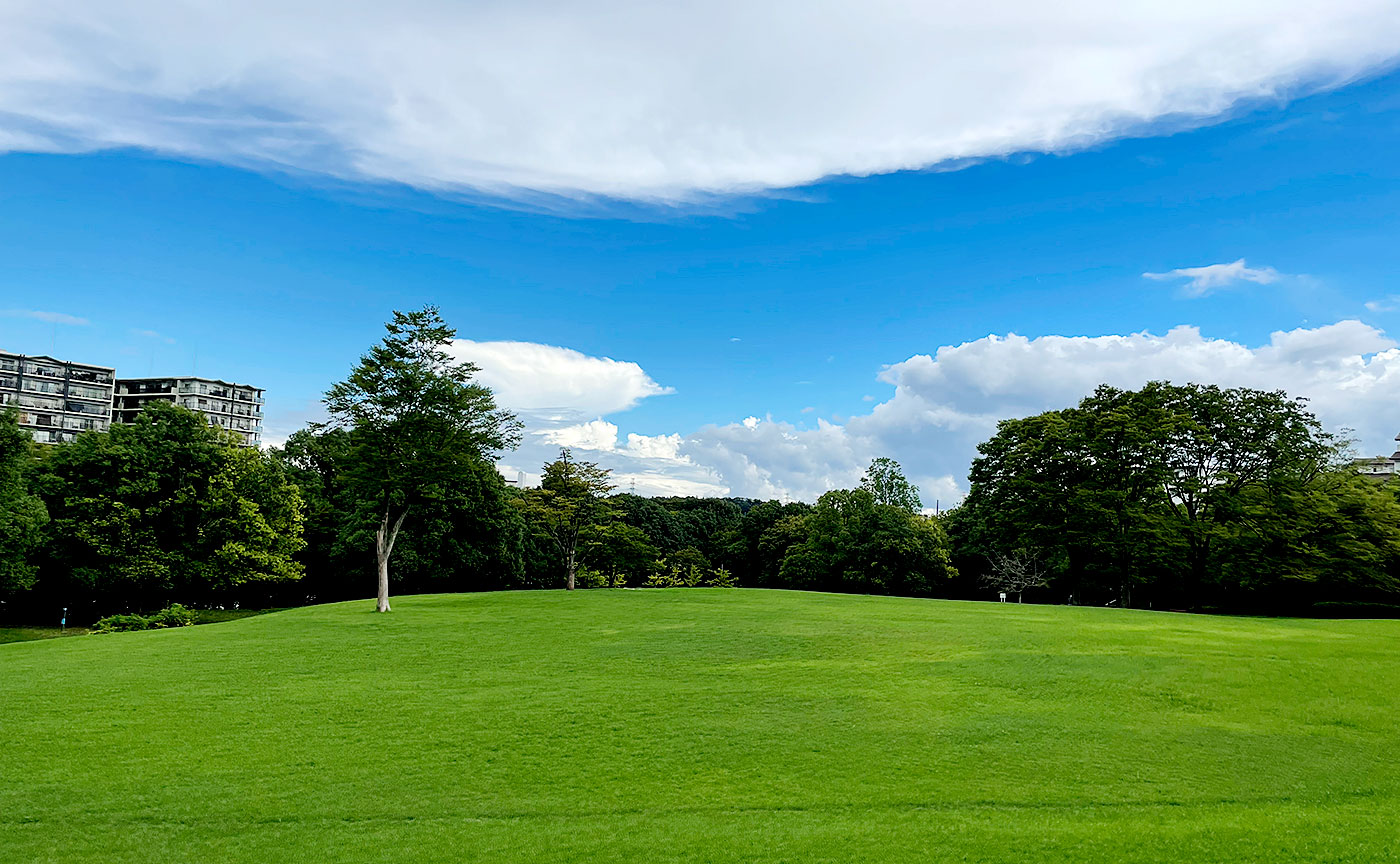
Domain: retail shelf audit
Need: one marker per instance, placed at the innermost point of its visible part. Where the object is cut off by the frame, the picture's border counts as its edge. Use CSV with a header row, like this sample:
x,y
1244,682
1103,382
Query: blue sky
x,y
797,307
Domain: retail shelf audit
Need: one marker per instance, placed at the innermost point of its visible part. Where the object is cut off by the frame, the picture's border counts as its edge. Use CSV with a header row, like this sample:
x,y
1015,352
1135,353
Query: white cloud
x,y
1200,281
1390,304
946,403
593,435
48,317
554,390
559,384
649,99
943,405
152,334
769,459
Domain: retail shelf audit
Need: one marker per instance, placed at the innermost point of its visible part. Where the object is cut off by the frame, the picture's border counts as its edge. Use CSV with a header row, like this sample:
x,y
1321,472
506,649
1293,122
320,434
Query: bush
x,y
690,576
722,578
121,624
173,615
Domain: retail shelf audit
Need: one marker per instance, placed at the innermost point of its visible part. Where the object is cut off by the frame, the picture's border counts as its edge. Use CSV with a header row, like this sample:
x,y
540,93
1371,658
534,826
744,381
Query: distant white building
x,y
56,399
1381,467
236,407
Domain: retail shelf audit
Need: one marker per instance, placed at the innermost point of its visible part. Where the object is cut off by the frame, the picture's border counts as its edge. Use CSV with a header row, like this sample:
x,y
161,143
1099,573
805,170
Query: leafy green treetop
x,y
22,516
569,501
418,423
168,507
886,482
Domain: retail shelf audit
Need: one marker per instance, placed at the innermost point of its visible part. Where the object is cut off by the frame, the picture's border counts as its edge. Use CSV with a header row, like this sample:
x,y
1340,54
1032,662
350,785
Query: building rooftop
x,y
57,361
125,378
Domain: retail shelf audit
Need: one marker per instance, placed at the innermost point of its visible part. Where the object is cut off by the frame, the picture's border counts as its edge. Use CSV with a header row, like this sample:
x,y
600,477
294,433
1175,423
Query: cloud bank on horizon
x,y
645,100
943,405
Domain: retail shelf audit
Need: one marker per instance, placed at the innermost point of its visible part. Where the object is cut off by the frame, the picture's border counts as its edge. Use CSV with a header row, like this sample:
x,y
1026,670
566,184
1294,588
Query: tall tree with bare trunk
x,y
571,498
418,423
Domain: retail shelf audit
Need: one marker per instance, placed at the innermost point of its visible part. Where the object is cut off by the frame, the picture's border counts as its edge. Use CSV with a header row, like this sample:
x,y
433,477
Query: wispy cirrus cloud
x,y
48,317
651,100
152,334
1200,281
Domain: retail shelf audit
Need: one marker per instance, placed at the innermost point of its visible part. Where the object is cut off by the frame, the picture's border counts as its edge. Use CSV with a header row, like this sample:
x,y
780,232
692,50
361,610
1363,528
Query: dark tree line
x,y
1181,497
161,510
1188,497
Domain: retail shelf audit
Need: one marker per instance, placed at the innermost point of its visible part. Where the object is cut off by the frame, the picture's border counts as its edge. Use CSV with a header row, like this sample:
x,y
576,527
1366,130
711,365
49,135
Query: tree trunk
x,y
384,547
382,603
573,569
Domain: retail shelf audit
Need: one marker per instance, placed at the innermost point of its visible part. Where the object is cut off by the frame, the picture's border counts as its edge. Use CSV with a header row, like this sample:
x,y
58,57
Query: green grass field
x,y
26,634
704,726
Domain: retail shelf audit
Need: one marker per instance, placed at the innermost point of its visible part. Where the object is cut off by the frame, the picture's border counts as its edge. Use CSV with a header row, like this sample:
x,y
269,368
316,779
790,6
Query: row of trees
x,y
1171,496
1179,496
165,508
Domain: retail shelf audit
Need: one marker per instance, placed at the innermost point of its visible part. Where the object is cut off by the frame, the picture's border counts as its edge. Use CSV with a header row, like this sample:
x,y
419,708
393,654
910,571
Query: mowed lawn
x,y
704,726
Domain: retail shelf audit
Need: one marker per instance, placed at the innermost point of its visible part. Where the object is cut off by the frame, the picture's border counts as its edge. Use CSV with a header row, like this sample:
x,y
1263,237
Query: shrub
x,y
173,615
722,578
121,624
690,575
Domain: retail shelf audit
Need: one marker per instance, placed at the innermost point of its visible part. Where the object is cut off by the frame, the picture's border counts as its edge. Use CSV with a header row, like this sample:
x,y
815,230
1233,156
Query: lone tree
x,y
417,423
569,500
885,481
1015,571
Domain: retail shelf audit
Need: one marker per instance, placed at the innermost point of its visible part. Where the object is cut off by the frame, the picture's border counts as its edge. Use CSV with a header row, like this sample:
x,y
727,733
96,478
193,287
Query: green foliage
x,y
22,514
587,577
167,508
885,482
1189,495
850,542
173,615
706,726
569,502
419,426
721,578
623,553
120,623
686,568
468,538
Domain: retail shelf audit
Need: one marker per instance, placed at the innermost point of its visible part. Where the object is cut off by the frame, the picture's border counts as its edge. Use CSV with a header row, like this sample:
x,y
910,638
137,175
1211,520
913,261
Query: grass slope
x,y
26,634
704,725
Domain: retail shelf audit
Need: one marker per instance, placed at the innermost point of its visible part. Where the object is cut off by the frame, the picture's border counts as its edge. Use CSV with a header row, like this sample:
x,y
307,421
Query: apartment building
x,y
56,399
1381,467
236,407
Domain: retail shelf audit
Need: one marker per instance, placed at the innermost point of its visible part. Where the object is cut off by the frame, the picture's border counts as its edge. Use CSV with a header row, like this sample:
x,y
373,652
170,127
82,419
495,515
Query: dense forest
x,y
1167,497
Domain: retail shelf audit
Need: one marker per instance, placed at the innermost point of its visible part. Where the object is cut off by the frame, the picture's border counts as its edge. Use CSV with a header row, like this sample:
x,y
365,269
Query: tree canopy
x,y
22,514
418,425
1177,491
885,482
569,502
168,508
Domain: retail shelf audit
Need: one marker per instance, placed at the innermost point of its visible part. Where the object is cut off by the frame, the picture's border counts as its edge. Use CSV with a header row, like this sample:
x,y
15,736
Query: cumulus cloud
x,y
651,100
943,405
556,390
1200,281
48,317
558,384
